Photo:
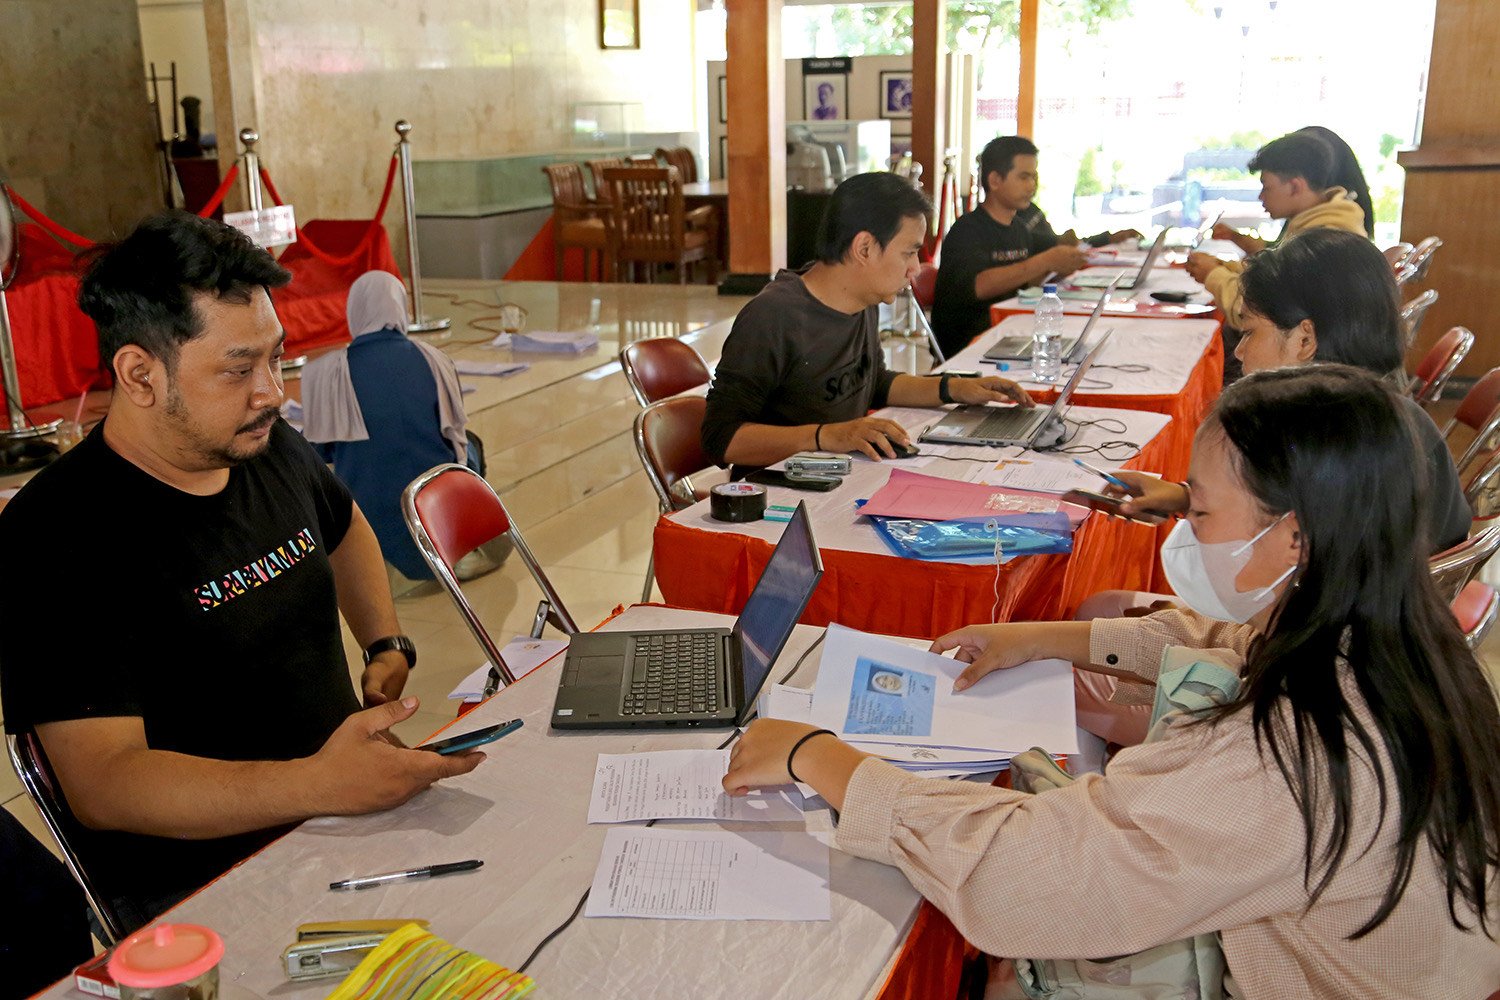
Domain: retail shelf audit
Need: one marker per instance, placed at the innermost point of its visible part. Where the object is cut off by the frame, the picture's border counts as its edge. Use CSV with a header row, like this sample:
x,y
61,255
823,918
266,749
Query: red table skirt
x,y
57,348
879,592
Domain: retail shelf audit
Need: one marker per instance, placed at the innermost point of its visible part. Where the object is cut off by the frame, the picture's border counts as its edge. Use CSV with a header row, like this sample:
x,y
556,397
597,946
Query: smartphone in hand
x,y
1109,505
468,741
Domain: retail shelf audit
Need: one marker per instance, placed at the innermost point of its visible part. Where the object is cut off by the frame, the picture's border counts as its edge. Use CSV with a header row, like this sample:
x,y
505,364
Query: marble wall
x,y
325,82
76,138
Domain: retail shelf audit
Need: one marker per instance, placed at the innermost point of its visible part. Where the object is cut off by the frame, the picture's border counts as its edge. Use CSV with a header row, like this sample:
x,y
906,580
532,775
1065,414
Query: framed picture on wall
x,y
900,144
723,156
619,24
723,100
825,97
895,93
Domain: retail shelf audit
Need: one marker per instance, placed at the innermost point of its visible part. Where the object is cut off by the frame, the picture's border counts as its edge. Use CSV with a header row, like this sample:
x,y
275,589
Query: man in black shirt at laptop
x,y
802,366
1002,246
172,589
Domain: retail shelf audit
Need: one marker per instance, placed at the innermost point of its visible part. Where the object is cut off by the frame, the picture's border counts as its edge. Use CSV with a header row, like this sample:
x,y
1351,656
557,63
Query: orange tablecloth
x,y
715,571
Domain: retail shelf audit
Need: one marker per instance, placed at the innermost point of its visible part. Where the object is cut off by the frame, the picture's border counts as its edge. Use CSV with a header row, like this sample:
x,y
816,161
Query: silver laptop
x,y
1017,346
994,426
698,677
1099,277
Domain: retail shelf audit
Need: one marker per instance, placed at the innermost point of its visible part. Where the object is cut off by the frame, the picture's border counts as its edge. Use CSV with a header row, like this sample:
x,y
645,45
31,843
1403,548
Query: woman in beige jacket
x,y
1336,823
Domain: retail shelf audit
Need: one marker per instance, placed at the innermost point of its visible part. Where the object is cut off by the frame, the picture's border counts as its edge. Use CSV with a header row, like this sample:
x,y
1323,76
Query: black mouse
x,y
905,450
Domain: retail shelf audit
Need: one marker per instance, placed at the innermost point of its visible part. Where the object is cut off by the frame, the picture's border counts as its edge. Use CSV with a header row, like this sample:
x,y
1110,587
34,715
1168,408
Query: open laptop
x,y
1017,346
1099,277
696,677
994,426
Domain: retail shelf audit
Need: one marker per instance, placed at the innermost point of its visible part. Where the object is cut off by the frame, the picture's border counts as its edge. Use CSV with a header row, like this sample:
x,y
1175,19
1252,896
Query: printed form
x,y
711,875
679,784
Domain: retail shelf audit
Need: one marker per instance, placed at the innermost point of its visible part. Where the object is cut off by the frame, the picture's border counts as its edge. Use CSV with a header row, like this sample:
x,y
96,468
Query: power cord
x,y
727,740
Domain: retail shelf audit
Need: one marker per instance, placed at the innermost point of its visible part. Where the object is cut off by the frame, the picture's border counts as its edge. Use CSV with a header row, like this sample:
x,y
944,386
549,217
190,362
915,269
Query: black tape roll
x,y
737,502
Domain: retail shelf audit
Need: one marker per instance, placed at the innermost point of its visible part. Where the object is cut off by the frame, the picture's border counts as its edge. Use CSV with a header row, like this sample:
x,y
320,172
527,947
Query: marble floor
x,y
592,535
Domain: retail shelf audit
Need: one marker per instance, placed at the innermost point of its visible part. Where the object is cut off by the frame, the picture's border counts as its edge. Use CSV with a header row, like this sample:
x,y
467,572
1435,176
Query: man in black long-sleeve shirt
x,y
1002,246
802,366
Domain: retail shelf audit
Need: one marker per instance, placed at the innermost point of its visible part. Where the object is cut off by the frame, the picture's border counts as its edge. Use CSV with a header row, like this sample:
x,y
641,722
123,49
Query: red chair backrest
x,y
1438,354
459,512
1479,402
924,285
671,434
662,366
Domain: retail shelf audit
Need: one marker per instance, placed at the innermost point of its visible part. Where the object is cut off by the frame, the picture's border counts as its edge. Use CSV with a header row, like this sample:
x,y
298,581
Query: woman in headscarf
x,y
383,411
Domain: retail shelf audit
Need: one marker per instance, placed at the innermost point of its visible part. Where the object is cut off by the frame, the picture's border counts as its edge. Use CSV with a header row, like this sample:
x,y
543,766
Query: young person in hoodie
x,y
1296,185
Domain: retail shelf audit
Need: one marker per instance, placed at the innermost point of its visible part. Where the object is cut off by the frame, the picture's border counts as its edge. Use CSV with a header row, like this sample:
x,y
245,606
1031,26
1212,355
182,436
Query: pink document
x,y
932,498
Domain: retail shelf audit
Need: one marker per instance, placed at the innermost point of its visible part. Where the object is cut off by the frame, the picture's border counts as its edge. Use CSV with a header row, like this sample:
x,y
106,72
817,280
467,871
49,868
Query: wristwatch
x,y
400,643
944,396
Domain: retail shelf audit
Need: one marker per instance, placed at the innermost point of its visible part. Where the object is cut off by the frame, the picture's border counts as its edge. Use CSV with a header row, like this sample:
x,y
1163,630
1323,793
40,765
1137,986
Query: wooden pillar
x,y
1453,179
928,41
1026,84
757,145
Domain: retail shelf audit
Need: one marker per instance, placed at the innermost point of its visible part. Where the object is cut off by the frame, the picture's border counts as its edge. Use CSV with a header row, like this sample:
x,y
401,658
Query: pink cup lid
x,y
165,955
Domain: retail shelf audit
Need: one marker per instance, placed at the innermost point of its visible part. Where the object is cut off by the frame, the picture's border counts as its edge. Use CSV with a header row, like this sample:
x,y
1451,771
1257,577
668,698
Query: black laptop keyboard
x,y
1005,423
675,674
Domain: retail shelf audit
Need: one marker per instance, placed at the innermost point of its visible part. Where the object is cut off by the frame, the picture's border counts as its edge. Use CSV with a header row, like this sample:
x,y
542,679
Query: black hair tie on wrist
x,y
798,746
818,438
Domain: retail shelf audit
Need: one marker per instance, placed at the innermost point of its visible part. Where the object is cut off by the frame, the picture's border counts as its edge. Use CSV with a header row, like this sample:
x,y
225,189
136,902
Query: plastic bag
x,y
1018,534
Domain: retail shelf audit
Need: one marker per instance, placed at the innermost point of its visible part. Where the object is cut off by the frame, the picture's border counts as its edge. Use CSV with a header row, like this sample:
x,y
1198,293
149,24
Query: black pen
x,y
367,881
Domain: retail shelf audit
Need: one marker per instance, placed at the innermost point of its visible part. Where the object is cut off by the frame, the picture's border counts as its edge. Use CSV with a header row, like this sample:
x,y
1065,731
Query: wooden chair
x,y
1439,364
576,222
683,159
1415,311
669,440
596,174
650,226
450,511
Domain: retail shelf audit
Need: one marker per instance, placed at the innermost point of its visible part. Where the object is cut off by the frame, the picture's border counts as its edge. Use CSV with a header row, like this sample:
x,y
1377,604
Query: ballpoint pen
x,y
1112,480
368,881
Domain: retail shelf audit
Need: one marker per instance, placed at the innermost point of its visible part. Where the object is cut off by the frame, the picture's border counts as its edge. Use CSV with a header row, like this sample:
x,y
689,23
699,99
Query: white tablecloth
x,y
1171,347
523,812
837,525
1122,302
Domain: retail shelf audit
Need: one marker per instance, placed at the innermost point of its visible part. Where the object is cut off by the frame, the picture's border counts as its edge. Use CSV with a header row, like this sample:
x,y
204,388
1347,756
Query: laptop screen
x,y
776,603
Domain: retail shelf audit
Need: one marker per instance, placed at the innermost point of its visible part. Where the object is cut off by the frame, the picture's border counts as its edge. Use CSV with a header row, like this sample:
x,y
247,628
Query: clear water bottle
x,y
1046,337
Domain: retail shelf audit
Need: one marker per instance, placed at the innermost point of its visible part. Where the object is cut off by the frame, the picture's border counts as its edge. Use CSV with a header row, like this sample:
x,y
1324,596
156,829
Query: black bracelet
x,y
818,438
798,746
944,396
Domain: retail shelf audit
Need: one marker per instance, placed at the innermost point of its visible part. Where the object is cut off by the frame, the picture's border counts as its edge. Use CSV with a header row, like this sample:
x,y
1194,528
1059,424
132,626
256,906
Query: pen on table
x,y
366,881
1112,480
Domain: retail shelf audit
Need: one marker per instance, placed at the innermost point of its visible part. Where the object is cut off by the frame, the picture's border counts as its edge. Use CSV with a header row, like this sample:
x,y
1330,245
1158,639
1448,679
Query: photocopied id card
x,y
887,700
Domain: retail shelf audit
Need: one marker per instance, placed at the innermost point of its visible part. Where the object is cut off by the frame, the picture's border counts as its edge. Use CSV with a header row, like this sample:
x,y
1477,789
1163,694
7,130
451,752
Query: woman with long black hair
x,y
1335,821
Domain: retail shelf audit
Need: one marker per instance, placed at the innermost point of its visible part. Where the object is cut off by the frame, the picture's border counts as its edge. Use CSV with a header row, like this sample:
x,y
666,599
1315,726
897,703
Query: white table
x,y
524,813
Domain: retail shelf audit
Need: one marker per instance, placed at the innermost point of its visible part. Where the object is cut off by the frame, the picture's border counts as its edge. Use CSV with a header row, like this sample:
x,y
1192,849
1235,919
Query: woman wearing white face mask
x,y
1341,806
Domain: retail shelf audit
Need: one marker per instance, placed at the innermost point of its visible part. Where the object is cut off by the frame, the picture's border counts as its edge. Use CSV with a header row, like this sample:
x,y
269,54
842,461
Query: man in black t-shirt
x,y
802,366
1002,246
173,585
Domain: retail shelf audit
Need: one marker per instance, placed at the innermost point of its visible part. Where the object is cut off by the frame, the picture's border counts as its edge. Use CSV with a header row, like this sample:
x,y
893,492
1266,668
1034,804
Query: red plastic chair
x,y
1439,364
1476,608
1396,254
669,440
924,285
450,511
1479,411
1420,259
1414,312
660,367
1454,568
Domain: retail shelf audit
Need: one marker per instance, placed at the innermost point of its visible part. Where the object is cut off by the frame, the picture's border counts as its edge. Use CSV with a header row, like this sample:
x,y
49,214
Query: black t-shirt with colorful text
x,y
211,618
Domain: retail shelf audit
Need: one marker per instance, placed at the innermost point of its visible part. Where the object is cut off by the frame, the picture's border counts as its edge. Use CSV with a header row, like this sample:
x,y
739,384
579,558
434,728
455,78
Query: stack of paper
x,y
548,342
934,498
489,367
899,702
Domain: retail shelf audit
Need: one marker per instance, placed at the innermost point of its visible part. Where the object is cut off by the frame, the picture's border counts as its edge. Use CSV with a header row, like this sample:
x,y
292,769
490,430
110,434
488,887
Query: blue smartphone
x,y
468,741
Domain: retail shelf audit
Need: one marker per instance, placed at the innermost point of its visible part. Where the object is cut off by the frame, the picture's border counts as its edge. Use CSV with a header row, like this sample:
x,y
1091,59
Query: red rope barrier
x,y
65,235
218,196
364,240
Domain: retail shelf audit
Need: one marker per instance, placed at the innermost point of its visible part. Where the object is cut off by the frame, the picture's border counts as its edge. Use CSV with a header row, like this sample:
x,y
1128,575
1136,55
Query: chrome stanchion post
x,y
250,164
419,323
20,448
